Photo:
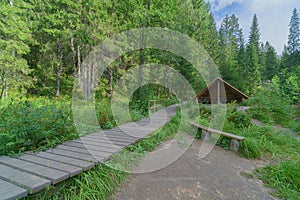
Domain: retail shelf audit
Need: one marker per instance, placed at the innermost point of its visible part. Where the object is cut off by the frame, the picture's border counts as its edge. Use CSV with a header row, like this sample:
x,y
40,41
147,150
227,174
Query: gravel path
x,y
221,175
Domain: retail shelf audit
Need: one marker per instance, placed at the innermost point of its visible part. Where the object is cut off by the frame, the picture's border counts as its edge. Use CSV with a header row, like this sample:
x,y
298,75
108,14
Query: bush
x,y
34,123
239,119
270,106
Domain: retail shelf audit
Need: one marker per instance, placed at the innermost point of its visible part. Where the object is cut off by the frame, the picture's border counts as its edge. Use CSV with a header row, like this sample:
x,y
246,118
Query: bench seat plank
x,y
232,136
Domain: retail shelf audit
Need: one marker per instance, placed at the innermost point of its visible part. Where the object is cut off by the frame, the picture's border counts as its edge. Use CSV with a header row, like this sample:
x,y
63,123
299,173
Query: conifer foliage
x,y
43,43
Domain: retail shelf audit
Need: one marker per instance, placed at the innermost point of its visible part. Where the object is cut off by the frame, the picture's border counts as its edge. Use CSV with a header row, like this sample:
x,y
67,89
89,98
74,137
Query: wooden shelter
x,y
219,91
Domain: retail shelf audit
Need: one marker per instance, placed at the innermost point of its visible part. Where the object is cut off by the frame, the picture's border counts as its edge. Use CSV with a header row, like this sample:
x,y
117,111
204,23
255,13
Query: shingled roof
x,y
220,91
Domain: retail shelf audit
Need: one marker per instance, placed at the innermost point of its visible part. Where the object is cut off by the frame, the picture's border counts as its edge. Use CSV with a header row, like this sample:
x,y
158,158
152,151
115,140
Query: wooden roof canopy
x,y
219,91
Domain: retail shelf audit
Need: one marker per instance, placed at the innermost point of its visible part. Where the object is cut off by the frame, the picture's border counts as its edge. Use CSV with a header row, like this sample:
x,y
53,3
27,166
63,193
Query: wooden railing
x,y
153,107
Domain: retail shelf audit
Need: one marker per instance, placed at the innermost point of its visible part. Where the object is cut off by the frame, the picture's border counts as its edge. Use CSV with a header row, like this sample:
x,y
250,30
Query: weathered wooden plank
x,y
114,134
91,147
138,134
77,155
54,175
105,138
94,143
10,191
25,180
131,130
84,151
71,169
114,137
63,159
119,143
236,137
118,134
117,131
123,136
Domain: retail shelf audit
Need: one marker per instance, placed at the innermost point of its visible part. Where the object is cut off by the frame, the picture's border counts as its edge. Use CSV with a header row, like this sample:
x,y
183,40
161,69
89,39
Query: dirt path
x,y
218,176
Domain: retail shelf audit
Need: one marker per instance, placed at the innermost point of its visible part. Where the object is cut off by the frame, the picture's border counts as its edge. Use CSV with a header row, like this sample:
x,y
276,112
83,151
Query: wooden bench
x,y
206,132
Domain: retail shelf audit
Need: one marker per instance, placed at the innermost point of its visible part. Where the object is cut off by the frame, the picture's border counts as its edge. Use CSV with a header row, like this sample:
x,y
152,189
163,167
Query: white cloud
x,y
221,4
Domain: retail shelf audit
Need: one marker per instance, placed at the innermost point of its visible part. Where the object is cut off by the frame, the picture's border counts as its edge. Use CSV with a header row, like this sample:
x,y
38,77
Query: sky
x,y
273,17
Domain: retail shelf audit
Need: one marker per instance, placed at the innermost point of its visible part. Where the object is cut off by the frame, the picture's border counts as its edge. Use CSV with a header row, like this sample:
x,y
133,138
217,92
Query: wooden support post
x,y
234,145
218,95
205,135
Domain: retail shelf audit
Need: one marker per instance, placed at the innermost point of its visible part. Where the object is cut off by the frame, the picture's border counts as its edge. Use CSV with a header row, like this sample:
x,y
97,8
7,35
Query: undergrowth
x,y
40,123
32,124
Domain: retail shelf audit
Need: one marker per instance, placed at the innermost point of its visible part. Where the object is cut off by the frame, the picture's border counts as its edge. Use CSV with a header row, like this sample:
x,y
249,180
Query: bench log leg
x,y
234,145
205,135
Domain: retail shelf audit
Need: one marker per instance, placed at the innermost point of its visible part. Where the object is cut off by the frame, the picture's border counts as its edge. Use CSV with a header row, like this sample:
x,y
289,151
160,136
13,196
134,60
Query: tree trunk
x,y
59,69
142,61
2,86
6,89
73,54
79,62
84,79
111,82
88,81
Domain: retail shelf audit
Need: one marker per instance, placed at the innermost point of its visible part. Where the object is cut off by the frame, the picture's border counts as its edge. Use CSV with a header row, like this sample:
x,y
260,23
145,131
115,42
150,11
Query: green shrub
x,y
168,102
32,124
270,106
239,119
104,113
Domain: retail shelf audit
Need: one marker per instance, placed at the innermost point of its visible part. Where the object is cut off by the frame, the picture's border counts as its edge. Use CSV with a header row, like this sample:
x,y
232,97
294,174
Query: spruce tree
x,y
254,36
252,68
294,40
271,62
229,36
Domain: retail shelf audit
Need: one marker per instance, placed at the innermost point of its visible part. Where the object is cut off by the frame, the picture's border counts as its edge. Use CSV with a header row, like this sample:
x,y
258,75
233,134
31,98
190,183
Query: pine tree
x,y
253,71
229,35
271,62
254,36
294,40
252,68
294,33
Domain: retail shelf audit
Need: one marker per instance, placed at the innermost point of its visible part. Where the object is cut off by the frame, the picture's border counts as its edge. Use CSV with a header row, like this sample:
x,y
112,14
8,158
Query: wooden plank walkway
x,y
32,172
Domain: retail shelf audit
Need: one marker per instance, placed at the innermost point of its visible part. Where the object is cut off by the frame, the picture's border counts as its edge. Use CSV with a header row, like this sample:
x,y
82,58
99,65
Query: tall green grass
x,y
98,183
284,177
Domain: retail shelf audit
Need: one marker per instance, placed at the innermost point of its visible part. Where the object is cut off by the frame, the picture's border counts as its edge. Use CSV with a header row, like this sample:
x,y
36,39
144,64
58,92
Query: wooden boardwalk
x,y
32,172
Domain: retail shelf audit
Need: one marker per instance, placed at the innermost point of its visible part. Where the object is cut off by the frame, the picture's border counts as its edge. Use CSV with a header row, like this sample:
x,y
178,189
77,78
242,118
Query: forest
x,y
43,44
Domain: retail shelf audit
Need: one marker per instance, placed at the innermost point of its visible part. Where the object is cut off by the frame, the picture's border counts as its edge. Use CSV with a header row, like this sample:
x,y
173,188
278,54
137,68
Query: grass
x,y
98,183
284,176
103,181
